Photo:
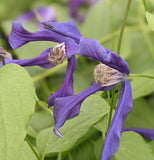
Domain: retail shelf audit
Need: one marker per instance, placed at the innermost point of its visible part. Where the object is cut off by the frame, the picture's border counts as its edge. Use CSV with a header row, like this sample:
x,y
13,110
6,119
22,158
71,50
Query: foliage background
x,y
84,135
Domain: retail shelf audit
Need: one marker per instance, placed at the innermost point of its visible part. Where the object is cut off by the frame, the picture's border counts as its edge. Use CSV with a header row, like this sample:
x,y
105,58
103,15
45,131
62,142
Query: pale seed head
x,y
106,76
57,54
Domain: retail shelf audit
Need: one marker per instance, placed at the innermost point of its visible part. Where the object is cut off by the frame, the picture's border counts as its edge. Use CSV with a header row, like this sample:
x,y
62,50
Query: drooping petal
x,y
67,29
68,107
112,139
20,36
91,48
148,133
67,86
38,61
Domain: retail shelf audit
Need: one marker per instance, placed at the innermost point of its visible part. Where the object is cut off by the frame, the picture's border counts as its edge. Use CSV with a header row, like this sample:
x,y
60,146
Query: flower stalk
x,y
123,27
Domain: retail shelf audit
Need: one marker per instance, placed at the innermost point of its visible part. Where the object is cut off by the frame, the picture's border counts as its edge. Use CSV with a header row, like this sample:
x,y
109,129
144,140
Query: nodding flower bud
x,y
106,76
57,54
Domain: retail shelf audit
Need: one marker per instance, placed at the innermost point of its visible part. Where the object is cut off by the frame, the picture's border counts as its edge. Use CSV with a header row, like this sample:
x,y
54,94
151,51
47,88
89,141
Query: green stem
x,y
108,94
69,156
41,104
117,32
111,108
59,156
145,7
103,136
140,75
49,72
30,145
123,26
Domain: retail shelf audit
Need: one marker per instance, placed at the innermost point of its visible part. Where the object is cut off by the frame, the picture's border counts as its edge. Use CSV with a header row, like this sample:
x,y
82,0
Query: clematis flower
x,y
106,77
38,14
51,57
67,33
75,6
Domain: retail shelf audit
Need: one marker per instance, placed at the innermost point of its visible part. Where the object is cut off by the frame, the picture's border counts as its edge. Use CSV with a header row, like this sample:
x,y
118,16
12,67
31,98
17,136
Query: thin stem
x,y
30,145
111,108
117,32
69,156
45,87
108,94
103,136
144,4
59,156
123,26
44,106
49,72
140,75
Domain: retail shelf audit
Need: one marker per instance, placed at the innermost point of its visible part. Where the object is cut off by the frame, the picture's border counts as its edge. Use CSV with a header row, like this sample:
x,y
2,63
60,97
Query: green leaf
x,y
142,86
150,19
41,120
31,132
141,59
98,145
84,151
134,147
141,115
26,152
17,102
92,110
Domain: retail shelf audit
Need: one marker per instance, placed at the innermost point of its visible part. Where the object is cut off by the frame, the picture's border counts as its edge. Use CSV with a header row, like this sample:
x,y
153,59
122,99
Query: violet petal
x,y
38,61
124,106
67,29
67,86
68,107
91,48
148,133
20,36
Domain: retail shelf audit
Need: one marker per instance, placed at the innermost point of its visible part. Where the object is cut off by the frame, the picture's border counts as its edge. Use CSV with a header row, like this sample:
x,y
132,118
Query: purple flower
x,y
66,32
68,105
41,13
105,79
75,5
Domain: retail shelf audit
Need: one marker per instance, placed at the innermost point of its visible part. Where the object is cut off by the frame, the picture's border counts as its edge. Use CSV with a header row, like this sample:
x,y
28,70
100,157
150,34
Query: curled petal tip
x,y
57,133
16,37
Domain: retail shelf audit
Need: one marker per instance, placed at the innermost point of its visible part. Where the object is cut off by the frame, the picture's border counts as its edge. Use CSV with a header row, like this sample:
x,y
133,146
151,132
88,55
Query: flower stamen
x,y
57,54
106,76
